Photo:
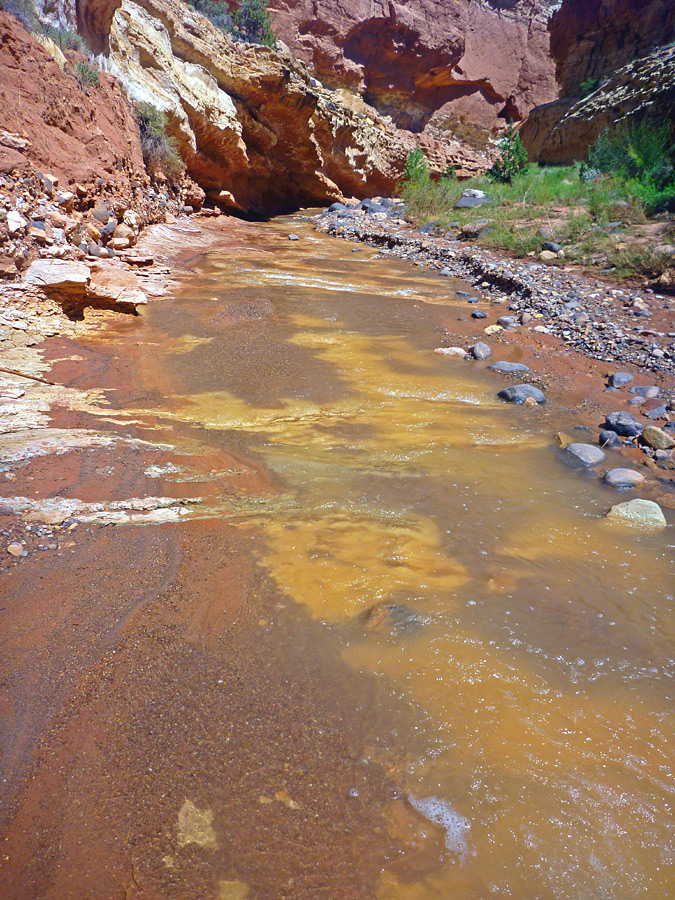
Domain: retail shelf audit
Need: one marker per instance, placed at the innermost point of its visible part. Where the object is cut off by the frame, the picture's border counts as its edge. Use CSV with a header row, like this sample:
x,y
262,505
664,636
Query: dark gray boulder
x,y
623,424
519,393
619,379
508,368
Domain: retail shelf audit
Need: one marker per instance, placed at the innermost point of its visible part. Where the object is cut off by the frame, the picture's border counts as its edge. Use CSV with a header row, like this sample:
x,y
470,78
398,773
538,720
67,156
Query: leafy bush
x,y
449,173
513,158
159,148
252,23
637,162
415,168
587,87
64,38
87,76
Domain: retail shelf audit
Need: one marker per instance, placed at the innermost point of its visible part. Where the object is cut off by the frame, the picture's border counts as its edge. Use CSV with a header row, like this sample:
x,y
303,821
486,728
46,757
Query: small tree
x,y
416,169
513,158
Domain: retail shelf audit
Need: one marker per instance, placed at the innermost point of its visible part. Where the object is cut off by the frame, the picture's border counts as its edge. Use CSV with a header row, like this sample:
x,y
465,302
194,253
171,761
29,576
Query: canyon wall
x,y
614,64
257,131
457,66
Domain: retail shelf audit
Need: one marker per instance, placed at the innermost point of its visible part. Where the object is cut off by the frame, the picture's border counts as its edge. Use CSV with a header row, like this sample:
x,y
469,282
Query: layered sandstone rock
x,y
256,130
455,65
617,49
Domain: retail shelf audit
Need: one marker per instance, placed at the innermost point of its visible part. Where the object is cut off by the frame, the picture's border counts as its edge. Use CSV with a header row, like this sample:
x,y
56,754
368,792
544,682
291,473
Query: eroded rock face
x,y
437,64
72,134
618,49
591,39
257,132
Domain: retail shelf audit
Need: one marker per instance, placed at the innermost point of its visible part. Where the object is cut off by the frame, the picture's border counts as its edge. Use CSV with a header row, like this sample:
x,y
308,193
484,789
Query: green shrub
x,y
252,23
415,168
64,38
513,158
87,76
217,12
449,173
637,163
587,87
159,148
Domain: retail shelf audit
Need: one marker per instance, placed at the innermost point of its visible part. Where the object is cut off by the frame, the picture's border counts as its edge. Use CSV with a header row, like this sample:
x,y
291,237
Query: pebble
x,y
479,314
519,393
507,321
15,549
623,478
293,237
642,513
481,350
585,454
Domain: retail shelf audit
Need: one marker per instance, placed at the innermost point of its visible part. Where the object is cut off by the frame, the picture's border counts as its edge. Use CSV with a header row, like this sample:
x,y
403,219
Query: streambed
x,y
393,651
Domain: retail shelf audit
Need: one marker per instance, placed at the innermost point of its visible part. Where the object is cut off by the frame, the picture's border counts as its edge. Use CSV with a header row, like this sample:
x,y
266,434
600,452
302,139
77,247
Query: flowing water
x,y
516,649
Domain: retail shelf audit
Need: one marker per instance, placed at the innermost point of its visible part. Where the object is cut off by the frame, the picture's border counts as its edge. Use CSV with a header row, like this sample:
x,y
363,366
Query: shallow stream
x,y
518,648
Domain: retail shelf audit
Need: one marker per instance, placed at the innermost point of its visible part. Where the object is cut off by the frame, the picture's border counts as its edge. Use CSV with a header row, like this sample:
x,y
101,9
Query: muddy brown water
x,y
199,709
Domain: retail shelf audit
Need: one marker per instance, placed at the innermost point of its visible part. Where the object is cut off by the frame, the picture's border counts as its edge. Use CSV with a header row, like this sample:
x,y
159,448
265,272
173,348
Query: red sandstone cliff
x,y
457,65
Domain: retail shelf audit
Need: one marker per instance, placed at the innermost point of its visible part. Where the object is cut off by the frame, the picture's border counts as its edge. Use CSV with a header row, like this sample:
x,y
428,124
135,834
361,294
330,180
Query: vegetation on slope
x,y
614,211
250,21
159,149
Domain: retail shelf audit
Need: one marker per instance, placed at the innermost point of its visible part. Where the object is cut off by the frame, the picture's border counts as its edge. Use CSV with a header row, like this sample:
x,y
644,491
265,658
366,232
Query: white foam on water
x,y
440,813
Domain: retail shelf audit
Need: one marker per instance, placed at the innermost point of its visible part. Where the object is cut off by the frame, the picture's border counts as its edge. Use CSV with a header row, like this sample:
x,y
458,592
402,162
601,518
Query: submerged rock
x,y
390,618
623,478
509,368
450,351
585,454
